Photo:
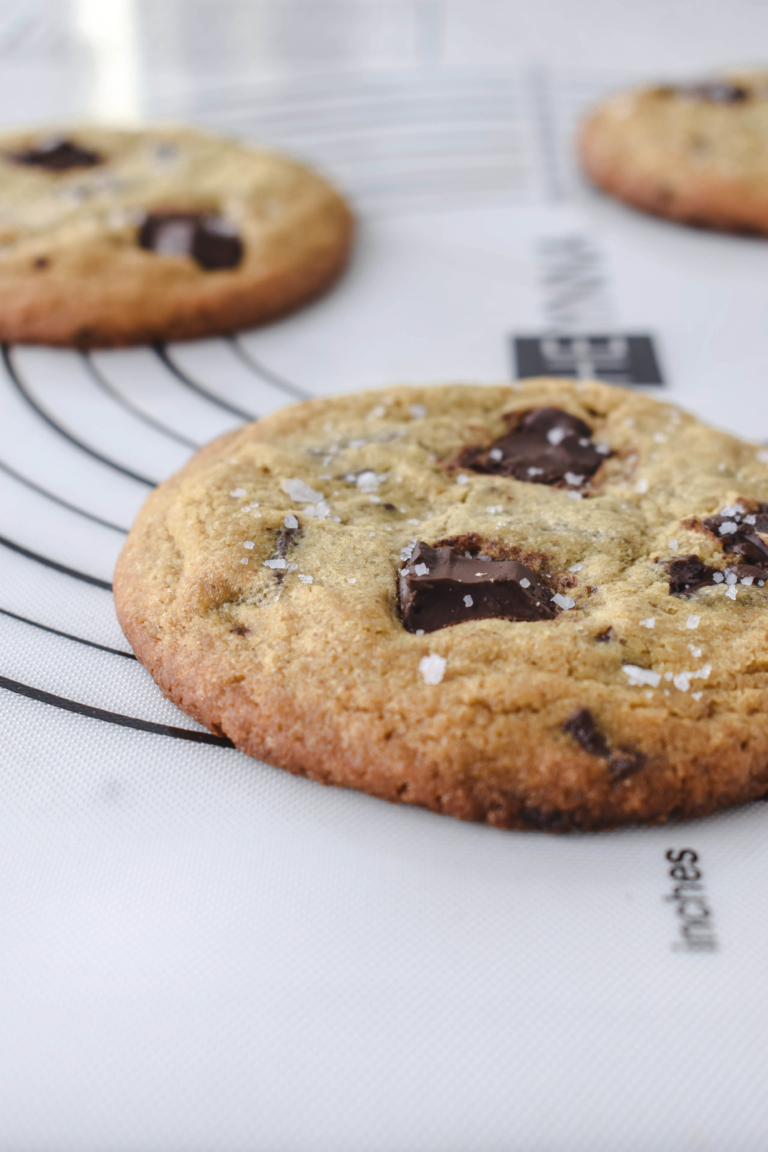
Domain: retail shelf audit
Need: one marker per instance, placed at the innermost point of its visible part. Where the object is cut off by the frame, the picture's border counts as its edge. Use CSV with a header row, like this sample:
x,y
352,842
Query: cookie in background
x,y
111,237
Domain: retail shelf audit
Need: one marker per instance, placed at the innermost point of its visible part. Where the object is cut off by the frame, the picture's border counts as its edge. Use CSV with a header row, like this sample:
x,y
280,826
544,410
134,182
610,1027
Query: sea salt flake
x,y
421,570
718,577
556,435
468,601
692,621
494,509
369,482
649,623
640,676
575,567
238,493
673,545
728,527
432,668
704,673
696,695
732,510
496,454
407,550
574,478
462,478
731,592
694,651
320,511
419,632
750,520
564,602
603,449
304,578
291,521
278,563
682,681
747,580
533,471
731,578
668,675
248,544
642,486
418,411
351,580
574,495
525,582
244,560
298,490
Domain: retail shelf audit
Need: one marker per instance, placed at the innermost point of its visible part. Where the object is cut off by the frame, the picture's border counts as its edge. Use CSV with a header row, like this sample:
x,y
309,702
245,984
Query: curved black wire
x,y
111,717
102,382
48,563
66,635
58,500
48,419
266,374
164,356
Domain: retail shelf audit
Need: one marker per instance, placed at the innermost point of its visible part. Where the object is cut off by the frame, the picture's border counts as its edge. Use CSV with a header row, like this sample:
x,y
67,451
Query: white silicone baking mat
x,y
199,952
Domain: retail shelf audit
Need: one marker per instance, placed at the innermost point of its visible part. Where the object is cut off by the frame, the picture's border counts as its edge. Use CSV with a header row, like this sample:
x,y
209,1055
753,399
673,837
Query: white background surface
x,y
198,951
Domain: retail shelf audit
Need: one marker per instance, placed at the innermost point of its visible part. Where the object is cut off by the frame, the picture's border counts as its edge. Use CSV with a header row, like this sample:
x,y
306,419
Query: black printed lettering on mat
x,y
615,358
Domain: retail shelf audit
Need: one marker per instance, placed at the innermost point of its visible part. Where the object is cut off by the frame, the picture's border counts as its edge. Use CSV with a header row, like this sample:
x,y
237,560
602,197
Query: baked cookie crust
x,y
696,153
262,587
83,262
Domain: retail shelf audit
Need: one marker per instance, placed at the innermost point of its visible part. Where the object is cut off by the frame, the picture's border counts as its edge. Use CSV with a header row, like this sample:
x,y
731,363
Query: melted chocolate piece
x,y
57,156
741,537
716,92
688,573
546,821
582,726
209,240
439,587
548,446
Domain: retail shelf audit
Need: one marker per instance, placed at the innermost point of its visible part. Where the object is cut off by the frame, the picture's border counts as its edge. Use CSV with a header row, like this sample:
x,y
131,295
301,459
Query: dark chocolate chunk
x,y
546,821
439,586
583,727
687,573
57,156
285,538
605,636
715,91
209,240
622,763
240,630
548,446
740,537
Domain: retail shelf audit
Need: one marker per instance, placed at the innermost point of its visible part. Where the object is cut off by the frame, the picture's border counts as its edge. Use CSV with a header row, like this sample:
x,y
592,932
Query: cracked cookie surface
x,y
270,589
695,152
113,237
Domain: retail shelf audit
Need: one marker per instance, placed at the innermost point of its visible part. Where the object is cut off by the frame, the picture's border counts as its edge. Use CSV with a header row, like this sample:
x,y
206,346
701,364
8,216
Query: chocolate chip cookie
x,y
110,237
694,152
540,605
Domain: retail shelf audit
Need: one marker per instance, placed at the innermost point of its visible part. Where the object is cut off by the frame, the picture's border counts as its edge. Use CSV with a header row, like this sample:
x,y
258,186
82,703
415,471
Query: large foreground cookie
x,y
697,152
541,605
110,237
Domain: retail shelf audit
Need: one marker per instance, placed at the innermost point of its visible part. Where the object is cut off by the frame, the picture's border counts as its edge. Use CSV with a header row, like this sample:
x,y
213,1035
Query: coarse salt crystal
x,y
305,579
556,435
291,521
244,560
696,695
751,519
248,544
732,510
731,591
694,651
574,495
575,567
642,486
419,632
573,478
462,478
731,578
603,449
238,493
718,577
418,411
319,511
728,527
639,676
533,471
407,550
298,490
432,668
351,580
649,623
564,602
525,582
421,570
682,681
747,580
692,621
673,544
494,509
468,601
278,563
496,454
